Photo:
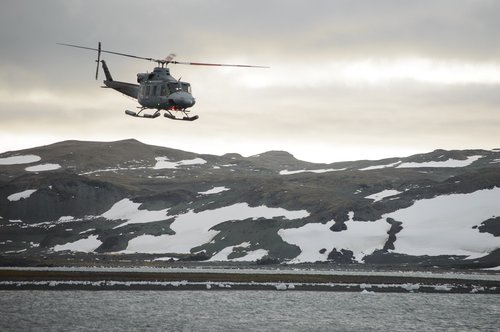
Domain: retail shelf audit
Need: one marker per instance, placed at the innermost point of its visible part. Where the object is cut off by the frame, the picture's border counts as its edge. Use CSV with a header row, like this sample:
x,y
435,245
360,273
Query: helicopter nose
x,y
181,99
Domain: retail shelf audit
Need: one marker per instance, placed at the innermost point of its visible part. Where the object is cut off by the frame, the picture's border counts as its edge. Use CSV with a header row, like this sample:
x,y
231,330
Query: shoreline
x,y
290,280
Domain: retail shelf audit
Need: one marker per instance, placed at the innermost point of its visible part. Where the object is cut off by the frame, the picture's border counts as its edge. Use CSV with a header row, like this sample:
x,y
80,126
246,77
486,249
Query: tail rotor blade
x,y
98,60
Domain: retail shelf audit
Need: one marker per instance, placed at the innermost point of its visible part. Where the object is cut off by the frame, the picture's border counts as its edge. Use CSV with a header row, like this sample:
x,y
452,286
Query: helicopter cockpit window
x,y
174,87
186,87
163,91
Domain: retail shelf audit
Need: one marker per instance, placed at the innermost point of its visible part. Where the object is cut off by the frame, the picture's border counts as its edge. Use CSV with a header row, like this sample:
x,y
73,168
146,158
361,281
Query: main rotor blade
x,y
116,53
214,64
165,61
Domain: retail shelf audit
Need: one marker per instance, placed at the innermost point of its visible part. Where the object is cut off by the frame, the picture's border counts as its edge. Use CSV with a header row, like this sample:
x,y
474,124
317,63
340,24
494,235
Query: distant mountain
x,y
99,199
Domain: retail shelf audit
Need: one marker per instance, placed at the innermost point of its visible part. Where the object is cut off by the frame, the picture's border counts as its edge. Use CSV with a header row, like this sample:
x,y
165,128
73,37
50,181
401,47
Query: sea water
x,y
24,310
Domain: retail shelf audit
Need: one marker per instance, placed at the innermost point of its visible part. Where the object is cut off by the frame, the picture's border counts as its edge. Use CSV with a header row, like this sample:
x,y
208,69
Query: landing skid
x,y
184,118
156,114
146,116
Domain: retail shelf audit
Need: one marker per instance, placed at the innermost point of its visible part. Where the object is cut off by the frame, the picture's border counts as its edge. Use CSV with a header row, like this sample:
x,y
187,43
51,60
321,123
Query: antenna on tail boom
x,y
98,60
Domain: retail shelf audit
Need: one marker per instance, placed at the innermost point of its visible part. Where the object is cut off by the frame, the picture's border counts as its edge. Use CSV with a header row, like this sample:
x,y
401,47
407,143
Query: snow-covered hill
x,y
122,198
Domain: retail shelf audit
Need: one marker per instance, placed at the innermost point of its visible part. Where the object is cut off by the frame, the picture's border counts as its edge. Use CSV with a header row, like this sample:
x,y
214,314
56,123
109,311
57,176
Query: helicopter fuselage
x,y
156,90
161,91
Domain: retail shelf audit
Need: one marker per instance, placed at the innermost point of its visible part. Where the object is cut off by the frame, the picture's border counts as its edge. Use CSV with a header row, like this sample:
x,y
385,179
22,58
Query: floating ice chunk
x,y
43,167
443,288
21,195
14,160
281,286
410,287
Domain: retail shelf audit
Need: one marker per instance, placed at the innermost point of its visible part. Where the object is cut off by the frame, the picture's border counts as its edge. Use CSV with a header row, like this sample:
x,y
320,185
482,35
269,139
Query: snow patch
x,y
163,162
361,237
194,229
21,195
14,160
369,168
383,194
287,172
214,190
250,256
129,211
88,244
445,163
443,225
43,167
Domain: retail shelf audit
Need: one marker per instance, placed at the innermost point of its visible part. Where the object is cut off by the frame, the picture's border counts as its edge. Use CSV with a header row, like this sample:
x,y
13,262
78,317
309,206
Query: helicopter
x,y
158,90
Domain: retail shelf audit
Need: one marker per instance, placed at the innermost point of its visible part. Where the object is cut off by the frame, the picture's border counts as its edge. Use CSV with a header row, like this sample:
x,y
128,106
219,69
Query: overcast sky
x,y
348,80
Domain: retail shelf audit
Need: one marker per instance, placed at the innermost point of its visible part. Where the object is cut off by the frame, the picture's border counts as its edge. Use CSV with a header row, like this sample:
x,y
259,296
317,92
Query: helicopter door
x,y
163,91
146,91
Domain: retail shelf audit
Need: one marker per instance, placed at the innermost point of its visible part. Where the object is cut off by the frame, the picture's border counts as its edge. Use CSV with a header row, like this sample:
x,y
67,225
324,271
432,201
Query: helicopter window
x,y
154,90
148,90
174,87
186,87
163,91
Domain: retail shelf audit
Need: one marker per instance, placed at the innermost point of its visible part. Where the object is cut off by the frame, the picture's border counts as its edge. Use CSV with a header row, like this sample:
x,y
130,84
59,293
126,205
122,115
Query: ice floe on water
x,y
14,160
164,162
21,195
43,167
194,229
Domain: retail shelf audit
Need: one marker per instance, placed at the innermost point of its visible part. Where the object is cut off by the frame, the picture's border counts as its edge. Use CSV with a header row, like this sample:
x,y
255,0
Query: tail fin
x,y
106,71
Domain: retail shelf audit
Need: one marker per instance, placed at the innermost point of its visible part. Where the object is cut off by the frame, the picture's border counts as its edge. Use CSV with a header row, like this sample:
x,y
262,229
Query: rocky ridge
x,y
128,199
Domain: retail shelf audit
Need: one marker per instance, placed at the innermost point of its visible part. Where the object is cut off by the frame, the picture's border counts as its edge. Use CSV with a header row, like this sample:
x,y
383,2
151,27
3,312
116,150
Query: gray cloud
x,y
48,90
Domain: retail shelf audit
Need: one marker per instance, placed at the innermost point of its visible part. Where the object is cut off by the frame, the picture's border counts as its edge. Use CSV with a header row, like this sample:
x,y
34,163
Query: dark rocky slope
x,y
96,198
